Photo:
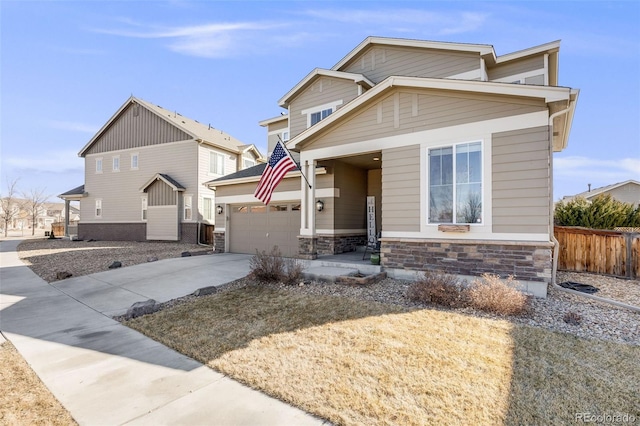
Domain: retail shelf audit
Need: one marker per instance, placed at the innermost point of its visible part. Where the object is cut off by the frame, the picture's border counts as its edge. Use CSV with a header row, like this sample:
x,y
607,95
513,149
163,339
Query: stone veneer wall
x,y
525,261
112,231
336,244
307,248
218,242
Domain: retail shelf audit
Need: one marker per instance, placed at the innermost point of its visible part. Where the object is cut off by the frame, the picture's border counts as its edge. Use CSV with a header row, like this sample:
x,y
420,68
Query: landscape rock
x,y
116,264
205,290
186,254
141,308
63,275
152,259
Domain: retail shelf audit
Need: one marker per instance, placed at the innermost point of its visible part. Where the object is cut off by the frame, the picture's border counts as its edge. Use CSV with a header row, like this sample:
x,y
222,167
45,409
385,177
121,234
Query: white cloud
x,y
54,161
597,170
72,126
438,22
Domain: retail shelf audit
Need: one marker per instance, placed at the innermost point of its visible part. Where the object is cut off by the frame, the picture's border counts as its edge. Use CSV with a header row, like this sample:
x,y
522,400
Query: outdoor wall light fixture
x,y
319,205
219,209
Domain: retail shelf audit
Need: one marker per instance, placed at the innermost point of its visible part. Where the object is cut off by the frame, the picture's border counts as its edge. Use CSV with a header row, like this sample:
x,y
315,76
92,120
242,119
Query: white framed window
x,y
99,165
145,203
98,207
248,163
216,163
207,208
116,163
134,161
187,213
284,135
320,112
455,183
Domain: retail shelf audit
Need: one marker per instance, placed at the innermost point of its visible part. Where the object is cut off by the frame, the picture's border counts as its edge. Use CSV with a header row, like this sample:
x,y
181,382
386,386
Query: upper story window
x,y
116,164
134,161
319,113
248,163
455,184
216,163
284,135
98,165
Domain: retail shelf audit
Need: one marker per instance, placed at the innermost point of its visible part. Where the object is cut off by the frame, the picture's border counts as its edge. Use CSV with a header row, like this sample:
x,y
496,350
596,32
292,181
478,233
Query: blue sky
x,y
66,67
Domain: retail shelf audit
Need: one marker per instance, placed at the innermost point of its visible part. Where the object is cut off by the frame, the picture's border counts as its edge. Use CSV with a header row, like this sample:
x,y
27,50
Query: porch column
x,y
66,217
307,240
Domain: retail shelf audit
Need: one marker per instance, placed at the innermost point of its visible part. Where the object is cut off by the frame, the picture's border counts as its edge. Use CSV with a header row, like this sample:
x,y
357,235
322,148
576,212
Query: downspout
x,y
556,244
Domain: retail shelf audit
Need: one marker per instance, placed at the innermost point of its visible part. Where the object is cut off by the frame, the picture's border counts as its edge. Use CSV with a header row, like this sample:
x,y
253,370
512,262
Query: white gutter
x,y
556,244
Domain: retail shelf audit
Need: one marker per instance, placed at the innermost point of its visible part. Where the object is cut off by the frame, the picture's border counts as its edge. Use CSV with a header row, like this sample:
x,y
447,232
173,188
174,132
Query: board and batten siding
x,y
136,127
120,191
521,181
419,110
323,90
378,63
401,189
161,194
516,67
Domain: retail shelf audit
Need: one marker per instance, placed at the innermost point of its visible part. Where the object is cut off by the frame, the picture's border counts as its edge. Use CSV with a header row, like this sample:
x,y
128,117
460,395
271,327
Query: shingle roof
x,y
166,179
245,173
75,191
596,191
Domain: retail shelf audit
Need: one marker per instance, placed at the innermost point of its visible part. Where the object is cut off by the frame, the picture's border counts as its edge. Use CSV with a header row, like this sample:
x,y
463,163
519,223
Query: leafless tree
x,y
9,204
34,201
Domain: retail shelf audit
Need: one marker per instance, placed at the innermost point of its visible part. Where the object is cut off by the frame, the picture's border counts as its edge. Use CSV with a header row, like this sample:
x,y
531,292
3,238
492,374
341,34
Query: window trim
x,y
186,197
333,106
137,157
483,183
244,163
99,165
98,208
115,163
285,135
208,218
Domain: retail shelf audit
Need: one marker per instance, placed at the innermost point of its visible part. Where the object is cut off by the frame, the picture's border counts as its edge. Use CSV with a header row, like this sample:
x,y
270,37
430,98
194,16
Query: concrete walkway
x,y
107,374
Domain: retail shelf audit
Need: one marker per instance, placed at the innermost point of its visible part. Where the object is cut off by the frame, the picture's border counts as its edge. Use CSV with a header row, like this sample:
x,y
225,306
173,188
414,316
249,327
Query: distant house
x,y
144,175
627,192
449,146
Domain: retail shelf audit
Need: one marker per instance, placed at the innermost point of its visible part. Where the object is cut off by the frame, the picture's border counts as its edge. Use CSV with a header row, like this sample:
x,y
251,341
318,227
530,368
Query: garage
x,y
259,227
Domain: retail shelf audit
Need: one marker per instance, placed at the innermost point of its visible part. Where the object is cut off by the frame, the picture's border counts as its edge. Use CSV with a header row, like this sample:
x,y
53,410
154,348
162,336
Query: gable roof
x,y
166,179
598,191
196,130
547,93
317,73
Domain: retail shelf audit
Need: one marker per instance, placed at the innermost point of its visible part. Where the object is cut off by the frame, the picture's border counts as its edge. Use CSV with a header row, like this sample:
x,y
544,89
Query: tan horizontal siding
x,y
380,63
435,110
120,191
135,127
401,189
516,67
324,90
521,181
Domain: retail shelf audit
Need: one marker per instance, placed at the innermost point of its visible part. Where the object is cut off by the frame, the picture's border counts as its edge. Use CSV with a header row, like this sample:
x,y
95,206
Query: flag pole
x,y
289,152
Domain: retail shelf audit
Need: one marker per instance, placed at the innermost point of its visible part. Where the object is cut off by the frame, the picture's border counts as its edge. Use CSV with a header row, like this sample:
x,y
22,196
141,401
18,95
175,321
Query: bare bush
x,y
292,271
492,294
438,288
268,267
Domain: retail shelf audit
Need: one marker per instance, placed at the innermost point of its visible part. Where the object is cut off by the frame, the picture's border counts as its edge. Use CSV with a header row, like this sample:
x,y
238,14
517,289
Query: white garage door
x,y
260,227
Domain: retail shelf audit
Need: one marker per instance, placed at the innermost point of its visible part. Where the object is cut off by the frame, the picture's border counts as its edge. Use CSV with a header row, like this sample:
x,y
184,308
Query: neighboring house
x,y
454,143
144,175
47,214
627,192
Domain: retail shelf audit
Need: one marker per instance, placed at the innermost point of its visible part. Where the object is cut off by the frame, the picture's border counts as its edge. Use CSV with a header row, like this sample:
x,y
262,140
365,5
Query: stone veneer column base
x,y
336,244
218,241
528,261
307,247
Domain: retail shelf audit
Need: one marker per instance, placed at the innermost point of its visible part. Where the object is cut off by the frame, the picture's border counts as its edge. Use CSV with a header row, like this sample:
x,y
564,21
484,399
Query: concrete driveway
x,y
106,373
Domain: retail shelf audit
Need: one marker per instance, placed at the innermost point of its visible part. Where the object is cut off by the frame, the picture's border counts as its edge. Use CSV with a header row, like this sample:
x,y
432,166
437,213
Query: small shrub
x,y
491,294
438,288
292,271
572,318
268,267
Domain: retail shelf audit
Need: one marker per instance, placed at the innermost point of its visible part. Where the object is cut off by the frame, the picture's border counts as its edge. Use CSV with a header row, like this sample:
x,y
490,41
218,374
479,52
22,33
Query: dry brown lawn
x,y
24,399
355,362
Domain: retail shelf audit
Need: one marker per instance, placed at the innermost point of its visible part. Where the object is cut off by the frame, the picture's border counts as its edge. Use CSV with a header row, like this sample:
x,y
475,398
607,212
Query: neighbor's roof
x,y
195,129
598,191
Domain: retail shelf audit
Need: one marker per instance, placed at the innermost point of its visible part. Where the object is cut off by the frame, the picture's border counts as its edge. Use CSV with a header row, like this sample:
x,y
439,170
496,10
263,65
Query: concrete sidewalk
x,y
105,373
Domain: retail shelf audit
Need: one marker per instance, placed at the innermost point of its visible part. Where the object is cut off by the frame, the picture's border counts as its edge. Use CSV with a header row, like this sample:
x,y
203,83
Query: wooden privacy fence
x,y
599,251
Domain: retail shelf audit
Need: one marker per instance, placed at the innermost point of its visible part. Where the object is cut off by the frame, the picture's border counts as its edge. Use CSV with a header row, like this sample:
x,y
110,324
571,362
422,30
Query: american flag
x,y
278,166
